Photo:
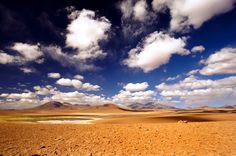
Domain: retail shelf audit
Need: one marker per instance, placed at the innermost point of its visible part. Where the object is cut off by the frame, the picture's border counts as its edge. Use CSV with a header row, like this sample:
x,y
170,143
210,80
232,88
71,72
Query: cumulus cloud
x,y
221,62
49,93
128,97
18,100
54,75
154,51
191,13
27,51
47,90
79,77
199,49
196,91
85,32
24,53
5,58
136,86
77,84
78,98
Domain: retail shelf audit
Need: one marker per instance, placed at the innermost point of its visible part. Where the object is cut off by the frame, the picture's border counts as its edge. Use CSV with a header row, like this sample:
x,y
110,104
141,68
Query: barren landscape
x,y
109,130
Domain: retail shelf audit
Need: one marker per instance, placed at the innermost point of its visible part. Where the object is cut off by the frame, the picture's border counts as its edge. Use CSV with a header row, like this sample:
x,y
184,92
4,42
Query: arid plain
x,y
109,130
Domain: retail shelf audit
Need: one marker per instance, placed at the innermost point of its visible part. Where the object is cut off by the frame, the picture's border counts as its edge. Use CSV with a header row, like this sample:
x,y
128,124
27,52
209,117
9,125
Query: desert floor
x,y
205,132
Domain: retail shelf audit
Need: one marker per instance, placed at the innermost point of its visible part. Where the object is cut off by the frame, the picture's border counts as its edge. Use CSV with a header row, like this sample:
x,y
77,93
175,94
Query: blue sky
x,y
179,53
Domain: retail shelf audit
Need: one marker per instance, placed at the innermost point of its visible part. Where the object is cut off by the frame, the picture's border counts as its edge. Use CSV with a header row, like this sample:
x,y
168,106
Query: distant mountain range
x,y
149,106
55,105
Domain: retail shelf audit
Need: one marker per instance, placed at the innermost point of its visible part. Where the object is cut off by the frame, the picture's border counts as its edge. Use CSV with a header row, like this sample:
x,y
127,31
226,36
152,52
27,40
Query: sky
x,y
174,52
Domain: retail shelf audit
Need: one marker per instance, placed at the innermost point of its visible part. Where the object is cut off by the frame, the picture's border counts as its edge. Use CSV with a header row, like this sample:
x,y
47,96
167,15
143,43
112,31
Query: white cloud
x,y
27,70
192,72
54,75
68,60
134,10
18,100
90,87
173,78
127,97
5,58
136,86
221,62
79,77
136,18
126,8
64,82
85,32
28,52
47,90
49,93
77,84
140,10
199,91
24,53
78,98
199,48
156,50
187,13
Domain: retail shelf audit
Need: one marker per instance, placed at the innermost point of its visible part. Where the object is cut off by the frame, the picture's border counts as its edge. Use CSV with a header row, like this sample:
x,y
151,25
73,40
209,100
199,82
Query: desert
x,y
110,130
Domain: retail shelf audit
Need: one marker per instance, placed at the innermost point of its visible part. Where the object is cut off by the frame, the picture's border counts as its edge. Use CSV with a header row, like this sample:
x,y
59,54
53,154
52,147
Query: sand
x,y
148,133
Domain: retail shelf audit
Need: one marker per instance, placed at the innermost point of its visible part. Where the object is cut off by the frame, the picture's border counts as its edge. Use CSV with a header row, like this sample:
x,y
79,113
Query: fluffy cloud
x,y
54,75
90,87
78,98
5,58
199,91
173,78
192,72
49,93
196,49
221,62
18,100
191,13
154,51
77,84
27,70
79,77
136,10
68,60
140,10
136,86
47,90
27,51
85,32
128,97
24,53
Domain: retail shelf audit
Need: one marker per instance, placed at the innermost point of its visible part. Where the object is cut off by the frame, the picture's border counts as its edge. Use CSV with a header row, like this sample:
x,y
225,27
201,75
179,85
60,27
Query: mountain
x,y
229,106
149,106
55,105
